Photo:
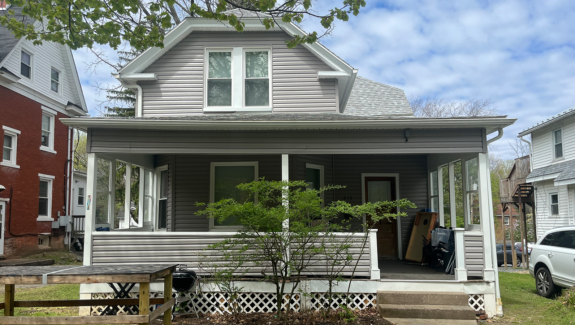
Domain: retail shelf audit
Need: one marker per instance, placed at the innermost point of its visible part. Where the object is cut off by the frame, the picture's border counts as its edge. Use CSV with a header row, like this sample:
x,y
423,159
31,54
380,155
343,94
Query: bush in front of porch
x,y
286,231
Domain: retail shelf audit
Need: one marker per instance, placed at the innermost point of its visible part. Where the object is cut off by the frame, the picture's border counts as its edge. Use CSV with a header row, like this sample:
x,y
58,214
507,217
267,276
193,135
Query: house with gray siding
x,y
215,107
553,170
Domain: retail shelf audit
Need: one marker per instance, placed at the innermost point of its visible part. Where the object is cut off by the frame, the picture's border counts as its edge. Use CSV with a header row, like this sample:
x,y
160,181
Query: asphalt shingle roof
x,y
7,39
369,98
566,170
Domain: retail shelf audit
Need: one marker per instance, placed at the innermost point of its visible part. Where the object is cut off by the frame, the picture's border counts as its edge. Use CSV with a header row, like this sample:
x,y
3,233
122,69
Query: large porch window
x,y
162,197
224,179
472,185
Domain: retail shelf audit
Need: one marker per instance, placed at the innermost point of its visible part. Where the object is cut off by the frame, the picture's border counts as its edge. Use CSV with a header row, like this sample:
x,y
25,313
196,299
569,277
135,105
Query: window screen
x,y
257,83
220,79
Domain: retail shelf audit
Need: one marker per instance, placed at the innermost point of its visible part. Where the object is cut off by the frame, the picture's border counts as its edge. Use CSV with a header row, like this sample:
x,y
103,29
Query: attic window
x,y
26,64
558,143
219,78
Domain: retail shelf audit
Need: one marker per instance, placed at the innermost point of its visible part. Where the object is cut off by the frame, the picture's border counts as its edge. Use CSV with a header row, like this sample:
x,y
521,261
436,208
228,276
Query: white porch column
x,y
460,270
90,220
486,213
141,196
128,196
375,274
285,178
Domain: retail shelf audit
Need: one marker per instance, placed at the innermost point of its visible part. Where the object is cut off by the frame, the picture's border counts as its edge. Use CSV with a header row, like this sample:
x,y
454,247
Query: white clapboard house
x,y
553,170
216,108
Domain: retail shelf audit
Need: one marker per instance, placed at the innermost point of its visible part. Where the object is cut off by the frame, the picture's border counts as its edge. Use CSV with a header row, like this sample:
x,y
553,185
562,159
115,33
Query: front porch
x,y
165,229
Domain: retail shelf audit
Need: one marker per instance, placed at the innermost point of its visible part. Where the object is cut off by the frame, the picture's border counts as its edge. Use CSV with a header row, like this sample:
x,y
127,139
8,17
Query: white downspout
x,y
498,304
139,110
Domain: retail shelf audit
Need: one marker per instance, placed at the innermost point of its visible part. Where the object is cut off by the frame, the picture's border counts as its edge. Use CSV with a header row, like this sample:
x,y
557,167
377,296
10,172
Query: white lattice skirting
x,y
249,302
477,302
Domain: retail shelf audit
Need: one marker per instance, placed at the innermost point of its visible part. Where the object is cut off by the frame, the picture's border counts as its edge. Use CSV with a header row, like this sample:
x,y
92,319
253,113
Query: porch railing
x,y
191,248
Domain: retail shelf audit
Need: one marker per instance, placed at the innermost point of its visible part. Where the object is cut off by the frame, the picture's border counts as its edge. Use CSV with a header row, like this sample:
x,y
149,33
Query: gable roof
x,y
7,38
342,71
552,119
371,98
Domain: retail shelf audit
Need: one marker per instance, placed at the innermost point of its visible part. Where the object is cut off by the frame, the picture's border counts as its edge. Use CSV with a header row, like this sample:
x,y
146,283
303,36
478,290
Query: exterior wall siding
x,y
545,221
474,255
45,57
179,89
543,143
191,249
286,142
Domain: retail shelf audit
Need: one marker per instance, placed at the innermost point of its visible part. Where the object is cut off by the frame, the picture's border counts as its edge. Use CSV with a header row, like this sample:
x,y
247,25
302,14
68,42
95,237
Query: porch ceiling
x,y
288,122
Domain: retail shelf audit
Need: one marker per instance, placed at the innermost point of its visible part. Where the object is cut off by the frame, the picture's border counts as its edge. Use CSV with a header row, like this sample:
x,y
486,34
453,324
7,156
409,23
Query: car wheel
x,y
545,286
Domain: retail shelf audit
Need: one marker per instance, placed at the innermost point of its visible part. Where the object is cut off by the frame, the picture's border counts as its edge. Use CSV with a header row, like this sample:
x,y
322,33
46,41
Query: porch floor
x,y
406,270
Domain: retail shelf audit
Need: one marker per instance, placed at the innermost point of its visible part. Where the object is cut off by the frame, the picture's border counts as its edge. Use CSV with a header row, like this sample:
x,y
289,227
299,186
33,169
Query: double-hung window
x,y
55,80
26,64
471,191
238,79
47,140
163,186
219,84
104,191
434,191
257,81
9,147
224,179
45,198
554,204
81,196
558,143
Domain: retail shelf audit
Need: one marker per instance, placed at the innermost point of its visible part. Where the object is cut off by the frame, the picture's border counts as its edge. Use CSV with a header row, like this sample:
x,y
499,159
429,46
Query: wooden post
x,y
523,232
525,247
168,279
144,299
9,291
504,235
513,252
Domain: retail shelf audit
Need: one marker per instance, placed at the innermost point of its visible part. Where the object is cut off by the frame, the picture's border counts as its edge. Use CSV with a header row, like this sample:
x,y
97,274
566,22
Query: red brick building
x,y
38,86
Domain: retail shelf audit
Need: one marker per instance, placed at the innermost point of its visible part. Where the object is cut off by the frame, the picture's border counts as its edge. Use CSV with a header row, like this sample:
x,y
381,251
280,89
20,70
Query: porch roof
x,y
278,121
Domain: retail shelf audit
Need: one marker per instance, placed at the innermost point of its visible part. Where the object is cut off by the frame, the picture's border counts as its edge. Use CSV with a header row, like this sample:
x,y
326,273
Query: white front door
x,y
2,220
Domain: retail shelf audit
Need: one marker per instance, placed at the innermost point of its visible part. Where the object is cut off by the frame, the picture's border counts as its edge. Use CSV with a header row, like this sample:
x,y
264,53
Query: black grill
x,y
184,280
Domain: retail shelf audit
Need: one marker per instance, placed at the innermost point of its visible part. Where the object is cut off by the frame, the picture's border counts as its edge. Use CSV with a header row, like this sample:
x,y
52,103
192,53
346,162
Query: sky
x,y
519,54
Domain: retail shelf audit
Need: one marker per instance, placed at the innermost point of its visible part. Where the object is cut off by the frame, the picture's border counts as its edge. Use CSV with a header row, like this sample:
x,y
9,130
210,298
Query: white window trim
x,y
469,225
50,180
52,114
555,143
213,166
508,220
156,196
111,193
321,177
59,92
244,78
238,76
25,49
13,162
83,196
551,205
142,190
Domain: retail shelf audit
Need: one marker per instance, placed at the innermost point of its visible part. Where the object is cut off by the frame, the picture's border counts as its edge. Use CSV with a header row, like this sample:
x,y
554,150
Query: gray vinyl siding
x,y
286,142
179,89
474,255
191,249
192,184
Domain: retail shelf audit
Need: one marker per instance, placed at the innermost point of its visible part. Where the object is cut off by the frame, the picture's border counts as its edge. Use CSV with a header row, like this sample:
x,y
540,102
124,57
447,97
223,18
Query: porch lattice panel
x,y
214,303
123,310
477,302
357,301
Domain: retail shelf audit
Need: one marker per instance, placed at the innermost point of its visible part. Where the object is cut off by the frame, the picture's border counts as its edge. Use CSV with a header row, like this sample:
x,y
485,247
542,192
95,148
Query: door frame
x,y
396,176
2,235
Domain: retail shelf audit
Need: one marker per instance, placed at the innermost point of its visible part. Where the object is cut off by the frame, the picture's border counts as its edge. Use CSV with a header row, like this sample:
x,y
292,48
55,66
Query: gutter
x,y
491,124
499,135
131,81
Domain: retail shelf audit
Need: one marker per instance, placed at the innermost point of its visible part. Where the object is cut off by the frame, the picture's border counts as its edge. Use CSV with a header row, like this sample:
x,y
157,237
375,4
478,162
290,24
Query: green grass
x,y
522,304
59,257
52,292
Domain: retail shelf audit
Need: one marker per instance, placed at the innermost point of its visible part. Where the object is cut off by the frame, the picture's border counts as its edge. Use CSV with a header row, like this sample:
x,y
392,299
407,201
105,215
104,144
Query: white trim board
x,y
397,196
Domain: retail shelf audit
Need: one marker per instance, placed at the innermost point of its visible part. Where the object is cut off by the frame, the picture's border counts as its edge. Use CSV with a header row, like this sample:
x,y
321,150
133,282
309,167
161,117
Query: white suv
x,y
553,261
